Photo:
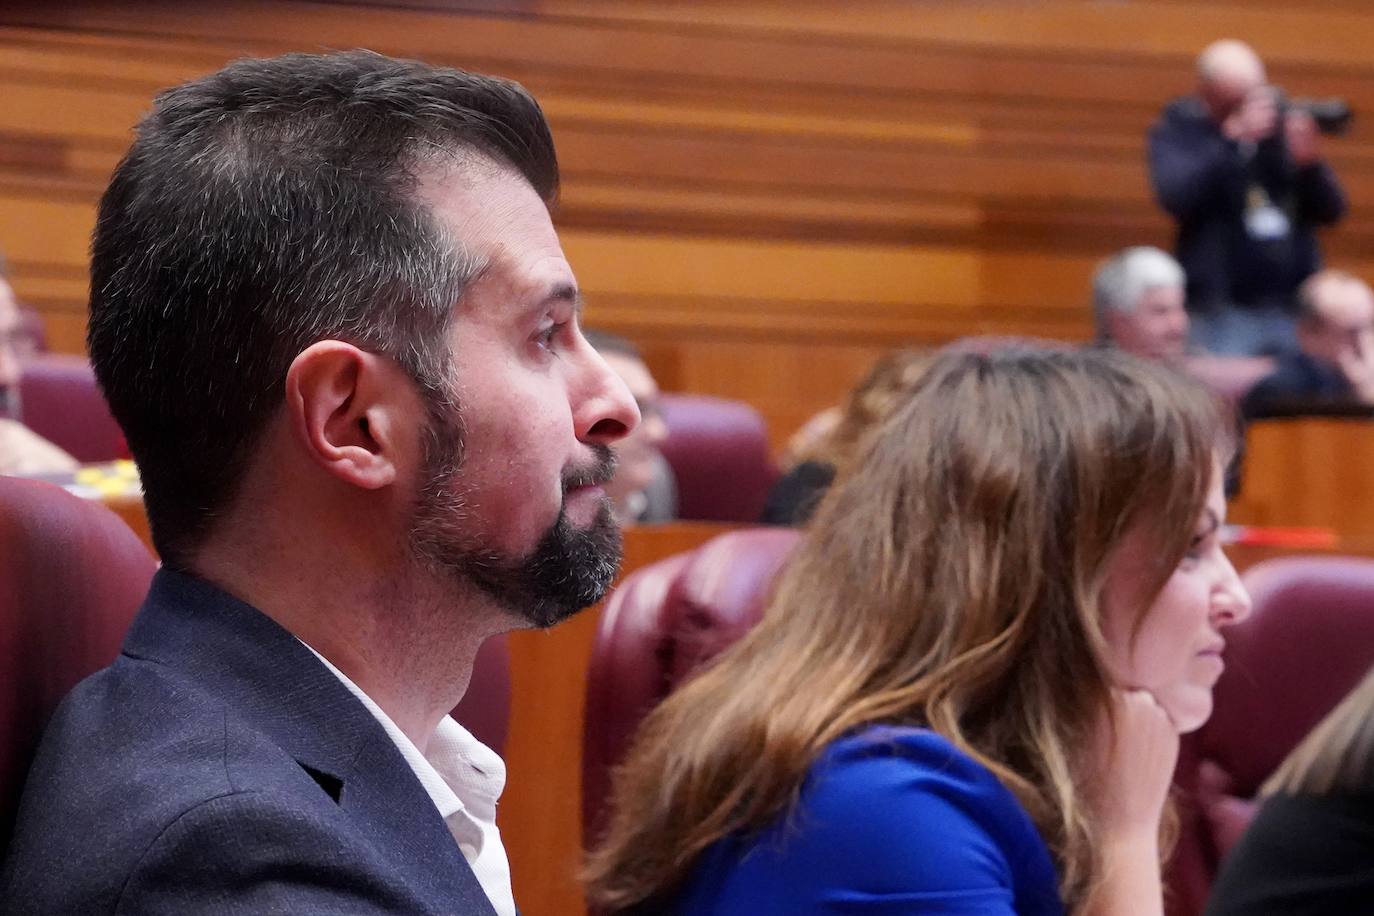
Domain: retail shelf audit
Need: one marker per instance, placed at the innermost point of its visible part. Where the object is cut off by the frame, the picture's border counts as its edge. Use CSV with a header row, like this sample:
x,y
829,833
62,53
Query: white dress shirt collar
x,y
464,778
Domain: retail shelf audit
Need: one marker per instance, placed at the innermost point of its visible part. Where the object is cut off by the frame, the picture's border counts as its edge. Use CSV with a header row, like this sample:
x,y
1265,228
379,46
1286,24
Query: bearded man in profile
x,y
332,316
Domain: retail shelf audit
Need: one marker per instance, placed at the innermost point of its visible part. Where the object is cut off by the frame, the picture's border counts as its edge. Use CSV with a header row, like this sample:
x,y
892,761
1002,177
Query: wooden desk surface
x,y
1309,471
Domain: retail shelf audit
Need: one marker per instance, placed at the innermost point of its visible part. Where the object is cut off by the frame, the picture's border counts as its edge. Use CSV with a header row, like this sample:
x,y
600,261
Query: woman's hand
x,y
1132,769
1133,766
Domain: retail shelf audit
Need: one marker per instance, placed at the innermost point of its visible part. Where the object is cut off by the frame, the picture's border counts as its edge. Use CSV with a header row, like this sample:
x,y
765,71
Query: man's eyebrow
x,y
566,292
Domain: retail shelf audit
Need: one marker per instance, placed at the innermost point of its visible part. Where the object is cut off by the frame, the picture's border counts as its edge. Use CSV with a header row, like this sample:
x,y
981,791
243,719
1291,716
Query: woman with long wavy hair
x,y
966,693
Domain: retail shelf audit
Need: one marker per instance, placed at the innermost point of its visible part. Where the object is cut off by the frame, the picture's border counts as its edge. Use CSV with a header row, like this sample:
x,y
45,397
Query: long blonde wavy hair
x,y
952,581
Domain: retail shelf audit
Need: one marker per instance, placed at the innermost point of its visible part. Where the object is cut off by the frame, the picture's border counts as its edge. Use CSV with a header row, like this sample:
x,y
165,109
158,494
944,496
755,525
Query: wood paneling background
x,y
764,194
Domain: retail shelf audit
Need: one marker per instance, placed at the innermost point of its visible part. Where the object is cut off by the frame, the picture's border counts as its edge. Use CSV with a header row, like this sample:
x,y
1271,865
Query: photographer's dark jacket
x,y
1211,185
1299,384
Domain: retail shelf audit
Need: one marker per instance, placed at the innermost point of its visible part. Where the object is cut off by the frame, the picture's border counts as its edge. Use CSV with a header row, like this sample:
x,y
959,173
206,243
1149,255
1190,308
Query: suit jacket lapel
x,y
269,678
386,807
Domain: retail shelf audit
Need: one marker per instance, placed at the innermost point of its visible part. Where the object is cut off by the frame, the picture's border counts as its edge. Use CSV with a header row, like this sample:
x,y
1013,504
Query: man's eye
x,y
545,337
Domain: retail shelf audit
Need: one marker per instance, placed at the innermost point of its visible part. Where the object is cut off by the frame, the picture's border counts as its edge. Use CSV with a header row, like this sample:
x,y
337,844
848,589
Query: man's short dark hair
x,y
263,208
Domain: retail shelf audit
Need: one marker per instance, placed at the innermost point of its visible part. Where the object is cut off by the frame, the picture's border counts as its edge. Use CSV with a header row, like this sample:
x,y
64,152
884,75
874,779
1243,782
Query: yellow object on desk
x,y
105,480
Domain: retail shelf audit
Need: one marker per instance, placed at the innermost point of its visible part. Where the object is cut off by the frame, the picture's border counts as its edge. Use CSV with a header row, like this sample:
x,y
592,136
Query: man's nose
x,y
606,412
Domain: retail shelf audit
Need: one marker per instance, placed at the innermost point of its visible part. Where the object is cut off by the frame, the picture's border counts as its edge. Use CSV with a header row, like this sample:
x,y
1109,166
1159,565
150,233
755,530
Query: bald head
x,y
1230,60
1227,71
1334,295
1336,312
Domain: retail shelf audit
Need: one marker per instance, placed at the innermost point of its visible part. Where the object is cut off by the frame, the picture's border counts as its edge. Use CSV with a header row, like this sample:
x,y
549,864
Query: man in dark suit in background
x,y
330,311
643,489
1245,179
1334,368
22,451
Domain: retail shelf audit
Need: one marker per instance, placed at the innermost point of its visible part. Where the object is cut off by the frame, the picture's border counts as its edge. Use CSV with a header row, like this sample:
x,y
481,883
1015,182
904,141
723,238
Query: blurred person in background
x,y
1310,849
830,439
1138,304
966,692
1334,366
22,451
643,489
1246,182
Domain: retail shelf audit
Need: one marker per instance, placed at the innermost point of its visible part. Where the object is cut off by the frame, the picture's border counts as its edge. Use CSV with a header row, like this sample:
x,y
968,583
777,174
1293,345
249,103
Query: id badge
x,y
1264,221
1267,223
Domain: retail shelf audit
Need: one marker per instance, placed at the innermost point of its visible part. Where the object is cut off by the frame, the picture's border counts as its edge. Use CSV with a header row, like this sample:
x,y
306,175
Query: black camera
x,y
1333,116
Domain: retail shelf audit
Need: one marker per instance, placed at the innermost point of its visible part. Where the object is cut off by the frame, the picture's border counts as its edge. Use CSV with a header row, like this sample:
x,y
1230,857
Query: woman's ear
x,y
344,407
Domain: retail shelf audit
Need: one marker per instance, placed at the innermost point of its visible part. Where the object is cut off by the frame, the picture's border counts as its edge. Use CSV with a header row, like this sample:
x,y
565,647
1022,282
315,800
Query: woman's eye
x,y
1196,547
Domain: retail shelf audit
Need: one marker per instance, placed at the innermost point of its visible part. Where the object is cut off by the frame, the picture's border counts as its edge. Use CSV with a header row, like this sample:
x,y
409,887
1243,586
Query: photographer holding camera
x,y
1240,169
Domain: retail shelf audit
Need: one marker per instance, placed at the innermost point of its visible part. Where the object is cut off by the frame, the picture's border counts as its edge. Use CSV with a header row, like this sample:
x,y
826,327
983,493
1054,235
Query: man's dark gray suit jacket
x,y
218,767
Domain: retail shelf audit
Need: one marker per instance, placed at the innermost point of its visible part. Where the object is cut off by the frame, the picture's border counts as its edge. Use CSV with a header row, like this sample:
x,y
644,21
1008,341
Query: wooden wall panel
x,y
736,171
766,195
757,181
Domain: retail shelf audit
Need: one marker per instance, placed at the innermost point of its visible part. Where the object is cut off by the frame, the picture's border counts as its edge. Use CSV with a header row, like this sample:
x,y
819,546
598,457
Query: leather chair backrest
x,y
663,623
63,404
72,575
1307,644
485,708
719,453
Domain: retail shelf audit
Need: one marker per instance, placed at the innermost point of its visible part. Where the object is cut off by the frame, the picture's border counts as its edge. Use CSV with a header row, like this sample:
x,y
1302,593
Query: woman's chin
x,y
1188,709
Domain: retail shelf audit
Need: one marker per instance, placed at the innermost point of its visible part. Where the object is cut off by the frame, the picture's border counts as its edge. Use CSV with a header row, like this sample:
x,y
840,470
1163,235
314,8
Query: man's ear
x,y
344,406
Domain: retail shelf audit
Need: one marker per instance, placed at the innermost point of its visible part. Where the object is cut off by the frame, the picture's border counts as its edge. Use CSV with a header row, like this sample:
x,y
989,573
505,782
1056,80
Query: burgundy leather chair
x,y
719,453
62,403
1307,644
72,575
485,708
662,623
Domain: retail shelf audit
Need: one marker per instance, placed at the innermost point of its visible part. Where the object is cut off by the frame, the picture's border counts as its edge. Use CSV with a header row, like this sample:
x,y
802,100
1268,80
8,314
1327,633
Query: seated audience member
x,y
22,451
835,434
643,488
1334,367
1310,850
967,690
1138,307
371,435
1138,304
1247,187
807,436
